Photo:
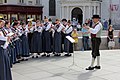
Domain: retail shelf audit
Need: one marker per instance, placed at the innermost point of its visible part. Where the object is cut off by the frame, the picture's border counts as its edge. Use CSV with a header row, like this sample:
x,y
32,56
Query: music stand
x,y
73,61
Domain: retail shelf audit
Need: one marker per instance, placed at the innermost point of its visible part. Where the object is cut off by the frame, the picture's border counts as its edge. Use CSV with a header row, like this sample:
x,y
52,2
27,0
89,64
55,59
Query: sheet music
x,y
70,39
10,34
3,38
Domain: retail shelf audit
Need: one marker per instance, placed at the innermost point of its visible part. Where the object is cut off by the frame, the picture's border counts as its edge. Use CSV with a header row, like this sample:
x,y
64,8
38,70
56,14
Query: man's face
x,y
46,20
8,25
95,20
57,22
64,22
2,24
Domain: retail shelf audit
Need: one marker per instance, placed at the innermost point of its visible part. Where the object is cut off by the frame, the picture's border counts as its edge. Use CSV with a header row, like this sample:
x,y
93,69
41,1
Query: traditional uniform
x,y
30,35
68,46
58,39
24,43
47,37
17,42
5,72
36,42
96,41
11,47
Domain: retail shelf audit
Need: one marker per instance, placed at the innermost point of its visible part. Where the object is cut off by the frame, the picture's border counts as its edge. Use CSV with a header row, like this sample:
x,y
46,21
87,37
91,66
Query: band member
x,y
64,22
11,44
5,71
37,39
68,46
96,40
17,42
30,32
58,38
47,43
24,42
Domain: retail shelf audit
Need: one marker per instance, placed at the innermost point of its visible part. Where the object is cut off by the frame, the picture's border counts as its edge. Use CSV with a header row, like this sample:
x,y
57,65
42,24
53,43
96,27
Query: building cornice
x,y
78,1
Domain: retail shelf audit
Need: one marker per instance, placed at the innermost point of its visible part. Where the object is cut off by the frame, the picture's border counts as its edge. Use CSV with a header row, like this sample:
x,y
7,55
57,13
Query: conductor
x,y
95,31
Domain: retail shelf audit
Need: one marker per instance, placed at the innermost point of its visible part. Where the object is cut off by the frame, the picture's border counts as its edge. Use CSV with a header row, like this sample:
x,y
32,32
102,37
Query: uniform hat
x,y
96,16
64,20
30,19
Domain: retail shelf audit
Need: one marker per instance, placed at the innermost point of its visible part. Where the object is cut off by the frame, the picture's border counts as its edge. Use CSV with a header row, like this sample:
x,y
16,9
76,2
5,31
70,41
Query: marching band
x,y
19,41
36,38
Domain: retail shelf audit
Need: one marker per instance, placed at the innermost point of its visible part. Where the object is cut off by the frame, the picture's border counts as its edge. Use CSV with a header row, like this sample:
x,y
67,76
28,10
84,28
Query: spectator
x,y
110,36
78,27
85,38
119,37
110,21
75,37
91,23
105,25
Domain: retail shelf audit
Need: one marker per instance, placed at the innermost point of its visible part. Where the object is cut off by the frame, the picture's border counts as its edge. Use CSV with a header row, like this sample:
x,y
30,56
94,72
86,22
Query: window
x,y
5,1
37,1
21,1
52,8
30,2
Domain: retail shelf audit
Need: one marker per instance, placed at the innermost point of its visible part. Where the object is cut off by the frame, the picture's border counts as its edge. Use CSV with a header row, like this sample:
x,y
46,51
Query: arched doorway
x,y
77,13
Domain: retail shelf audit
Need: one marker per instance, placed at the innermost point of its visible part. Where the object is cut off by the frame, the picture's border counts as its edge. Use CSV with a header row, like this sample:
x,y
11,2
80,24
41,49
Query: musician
x,y
68,46
96,41
11,44
17,42
37,40
64,22
24,42
47,41
5,71
29,26
58,38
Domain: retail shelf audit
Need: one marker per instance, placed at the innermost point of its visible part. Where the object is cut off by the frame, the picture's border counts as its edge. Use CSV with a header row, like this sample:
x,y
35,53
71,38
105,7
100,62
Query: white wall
x,y
12,1
105,12
45,4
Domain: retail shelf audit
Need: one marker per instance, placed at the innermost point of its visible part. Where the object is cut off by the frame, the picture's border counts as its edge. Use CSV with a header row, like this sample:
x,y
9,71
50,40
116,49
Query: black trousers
x,y
95,47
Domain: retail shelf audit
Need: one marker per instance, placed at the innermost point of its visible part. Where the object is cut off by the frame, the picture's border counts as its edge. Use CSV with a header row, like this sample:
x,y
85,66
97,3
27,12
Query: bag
x,y
111,44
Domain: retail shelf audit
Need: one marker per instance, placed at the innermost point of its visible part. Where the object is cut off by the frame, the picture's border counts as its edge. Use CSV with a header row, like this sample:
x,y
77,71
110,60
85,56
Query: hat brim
x,y
96,17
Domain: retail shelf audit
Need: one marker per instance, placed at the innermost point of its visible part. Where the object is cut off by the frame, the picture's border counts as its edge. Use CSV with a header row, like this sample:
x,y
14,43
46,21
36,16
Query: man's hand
x,y
8,39
87,27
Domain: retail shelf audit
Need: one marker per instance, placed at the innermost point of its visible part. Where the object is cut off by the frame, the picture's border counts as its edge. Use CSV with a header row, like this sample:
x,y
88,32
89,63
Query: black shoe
x,y
36,56
43,55
38,53
32,56
90,68
22,59
48,55
68,55
17,62
57,55
26,60
97,67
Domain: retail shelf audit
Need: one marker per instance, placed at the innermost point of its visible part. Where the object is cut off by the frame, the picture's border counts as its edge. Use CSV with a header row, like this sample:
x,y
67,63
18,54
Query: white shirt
x,y
68,29
96,29
40,29
60,28
2,37
48,27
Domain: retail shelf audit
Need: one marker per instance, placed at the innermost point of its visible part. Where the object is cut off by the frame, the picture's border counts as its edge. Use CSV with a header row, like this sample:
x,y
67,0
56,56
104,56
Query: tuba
x,y
30,23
